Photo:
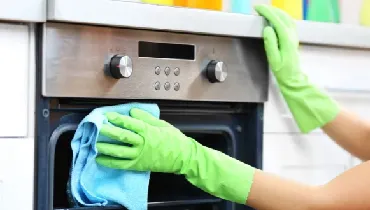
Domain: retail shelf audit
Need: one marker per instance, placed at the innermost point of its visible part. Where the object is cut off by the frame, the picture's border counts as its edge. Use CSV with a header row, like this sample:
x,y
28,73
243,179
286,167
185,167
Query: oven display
x,y
166,50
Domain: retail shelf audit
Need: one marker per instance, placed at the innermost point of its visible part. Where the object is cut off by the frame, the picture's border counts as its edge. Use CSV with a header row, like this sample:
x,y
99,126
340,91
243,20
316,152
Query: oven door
x,y
229,130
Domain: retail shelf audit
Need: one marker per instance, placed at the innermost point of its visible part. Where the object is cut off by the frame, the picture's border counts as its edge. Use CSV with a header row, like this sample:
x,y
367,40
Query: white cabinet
x,y
17,92
23,10
16,173
14,79
343,73
312,159
339,69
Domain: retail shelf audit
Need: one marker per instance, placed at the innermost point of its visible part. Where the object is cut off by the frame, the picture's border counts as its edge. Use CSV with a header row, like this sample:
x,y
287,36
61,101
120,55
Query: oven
x,y
210,87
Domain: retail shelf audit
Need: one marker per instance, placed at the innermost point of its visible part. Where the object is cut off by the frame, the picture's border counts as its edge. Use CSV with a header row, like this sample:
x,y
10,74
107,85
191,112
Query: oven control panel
x,y
120,66
102,62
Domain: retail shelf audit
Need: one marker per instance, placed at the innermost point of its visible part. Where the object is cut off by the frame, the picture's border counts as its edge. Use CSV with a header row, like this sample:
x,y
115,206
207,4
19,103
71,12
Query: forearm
x,y
230,179
270,192
348,191
350,132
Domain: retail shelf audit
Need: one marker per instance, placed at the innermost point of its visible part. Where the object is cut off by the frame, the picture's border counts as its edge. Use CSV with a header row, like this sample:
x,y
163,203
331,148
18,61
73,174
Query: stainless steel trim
x,y
75,56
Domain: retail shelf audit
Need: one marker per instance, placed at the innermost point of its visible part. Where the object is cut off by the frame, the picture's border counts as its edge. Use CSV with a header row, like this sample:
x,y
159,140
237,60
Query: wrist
x,y
186,159
189,157
310,106
219,174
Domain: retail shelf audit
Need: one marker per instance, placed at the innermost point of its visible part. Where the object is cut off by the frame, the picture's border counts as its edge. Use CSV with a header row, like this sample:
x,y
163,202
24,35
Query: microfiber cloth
x,y
95,185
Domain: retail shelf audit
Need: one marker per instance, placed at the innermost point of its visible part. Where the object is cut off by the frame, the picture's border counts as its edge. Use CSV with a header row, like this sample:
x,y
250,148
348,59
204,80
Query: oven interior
x,y
229,128
163,187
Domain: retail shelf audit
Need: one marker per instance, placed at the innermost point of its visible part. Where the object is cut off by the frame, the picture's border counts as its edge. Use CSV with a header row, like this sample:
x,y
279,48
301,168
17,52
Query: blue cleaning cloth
x,y
95,185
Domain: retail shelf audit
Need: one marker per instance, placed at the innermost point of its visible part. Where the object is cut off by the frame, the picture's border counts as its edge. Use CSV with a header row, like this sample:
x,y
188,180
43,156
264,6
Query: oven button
x,y
157,70
167,86
120,66
167,71
176,86
216,71
176,71
157,85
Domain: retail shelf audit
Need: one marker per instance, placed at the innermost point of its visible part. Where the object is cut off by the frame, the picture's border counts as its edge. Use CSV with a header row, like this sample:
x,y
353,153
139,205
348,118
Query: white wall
x,y
17,72
314,158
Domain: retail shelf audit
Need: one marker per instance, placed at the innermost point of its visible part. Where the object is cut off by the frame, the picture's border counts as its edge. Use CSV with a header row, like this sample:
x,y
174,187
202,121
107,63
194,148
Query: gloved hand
x,y
155,145
310,106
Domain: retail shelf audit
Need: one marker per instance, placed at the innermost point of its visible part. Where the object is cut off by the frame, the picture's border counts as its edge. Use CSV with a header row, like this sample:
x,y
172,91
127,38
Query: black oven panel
x,y
232,129
100,62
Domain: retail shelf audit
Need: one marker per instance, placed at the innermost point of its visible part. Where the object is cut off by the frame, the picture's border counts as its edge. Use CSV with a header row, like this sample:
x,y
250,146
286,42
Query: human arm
x,y
311,107
155,145
348,191
158,147
350,132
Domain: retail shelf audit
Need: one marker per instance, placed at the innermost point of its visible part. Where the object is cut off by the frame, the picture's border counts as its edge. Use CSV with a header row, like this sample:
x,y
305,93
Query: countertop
x,y
120,13
147,16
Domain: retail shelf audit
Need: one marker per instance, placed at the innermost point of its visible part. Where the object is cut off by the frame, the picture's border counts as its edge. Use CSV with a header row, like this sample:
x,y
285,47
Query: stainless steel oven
x,y
211,87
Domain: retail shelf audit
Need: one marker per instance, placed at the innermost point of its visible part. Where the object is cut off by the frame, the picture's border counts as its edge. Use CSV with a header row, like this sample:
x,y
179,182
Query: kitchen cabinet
x,y
14,79
343,73
312,159
23,10
16,173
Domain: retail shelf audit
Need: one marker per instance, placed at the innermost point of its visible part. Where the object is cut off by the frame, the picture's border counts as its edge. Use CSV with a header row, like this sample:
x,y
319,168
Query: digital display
x,y
166,50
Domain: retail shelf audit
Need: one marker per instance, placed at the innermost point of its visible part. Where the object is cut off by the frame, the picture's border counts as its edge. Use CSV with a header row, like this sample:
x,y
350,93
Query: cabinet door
x,y
15,63
23,10
312,159
343,73
16,173
278,118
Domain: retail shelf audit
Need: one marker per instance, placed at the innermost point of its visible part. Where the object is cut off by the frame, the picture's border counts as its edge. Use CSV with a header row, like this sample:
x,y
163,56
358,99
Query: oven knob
x,y
216,71
120,66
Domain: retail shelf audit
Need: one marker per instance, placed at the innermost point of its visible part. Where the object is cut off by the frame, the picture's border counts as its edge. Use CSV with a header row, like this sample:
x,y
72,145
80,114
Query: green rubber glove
x,y
155,145
310,106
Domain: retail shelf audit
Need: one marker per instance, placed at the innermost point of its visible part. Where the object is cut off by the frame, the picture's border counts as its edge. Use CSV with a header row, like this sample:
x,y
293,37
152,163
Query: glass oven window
x,y
162,187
